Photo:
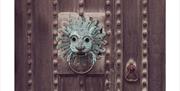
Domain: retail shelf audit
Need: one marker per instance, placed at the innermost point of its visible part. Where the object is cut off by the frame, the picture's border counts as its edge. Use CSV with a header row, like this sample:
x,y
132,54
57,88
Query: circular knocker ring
x,y
81,64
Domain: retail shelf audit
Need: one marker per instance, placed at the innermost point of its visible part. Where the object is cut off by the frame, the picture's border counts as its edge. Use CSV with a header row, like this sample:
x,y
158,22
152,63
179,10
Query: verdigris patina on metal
x,y
82,39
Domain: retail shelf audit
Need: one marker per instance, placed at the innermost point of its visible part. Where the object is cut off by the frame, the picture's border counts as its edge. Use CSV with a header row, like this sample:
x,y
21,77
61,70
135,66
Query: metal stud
x,y
118,22
108,13
118,81
29,2
29,72
55,61
55,81
118,2
81,3
30,82
55,2
118,12
107,83
109,32
108,22
118,42
108,51
108,2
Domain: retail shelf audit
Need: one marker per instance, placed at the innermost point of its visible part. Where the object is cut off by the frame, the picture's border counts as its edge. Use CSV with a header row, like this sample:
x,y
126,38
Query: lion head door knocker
x,y
131,71
81,42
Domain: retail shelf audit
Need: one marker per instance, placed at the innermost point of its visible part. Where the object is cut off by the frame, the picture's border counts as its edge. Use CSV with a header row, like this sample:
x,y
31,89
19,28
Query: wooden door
x,y
134,56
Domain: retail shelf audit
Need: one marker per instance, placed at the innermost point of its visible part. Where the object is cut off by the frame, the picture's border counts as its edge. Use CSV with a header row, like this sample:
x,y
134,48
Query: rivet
x,y
29,32
55,42
118,52
29,82
145,23
29,72
29,2
55,13
107,83
118,81
118,42
55,33
144,41
145,51
109,32
108,51
107,72
55,89
144,73
118,2
118,62
118,32
55,72
108,2
144,11
118,12
118,89
55,52
81,82
144,89
118,22
144,82
29,61
29,51
55,2
55,22
28,41
108,22
107,62
29,11
144,33
81,2
108,13
29,22
144,2
55,81
55,61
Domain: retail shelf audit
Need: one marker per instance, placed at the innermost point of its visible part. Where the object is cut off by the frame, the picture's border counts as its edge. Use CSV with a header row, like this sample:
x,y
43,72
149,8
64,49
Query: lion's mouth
x,y
81,53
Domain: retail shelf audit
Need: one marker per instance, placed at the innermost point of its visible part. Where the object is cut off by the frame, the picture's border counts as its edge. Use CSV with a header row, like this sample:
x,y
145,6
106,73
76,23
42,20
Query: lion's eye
x,y
73,39
87,40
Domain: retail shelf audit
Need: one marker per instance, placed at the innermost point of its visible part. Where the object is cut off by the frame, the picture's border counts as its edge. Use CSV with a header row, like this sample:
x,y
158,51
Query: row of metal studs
x,y
119,45
108,14
55,53
144,73
29,46
81,7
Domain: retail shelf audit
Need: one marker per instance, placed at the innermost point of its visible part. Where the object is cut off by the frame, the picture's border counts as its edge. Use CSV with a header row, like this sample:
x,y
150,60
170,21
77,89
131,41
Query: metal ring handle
x,y
84,72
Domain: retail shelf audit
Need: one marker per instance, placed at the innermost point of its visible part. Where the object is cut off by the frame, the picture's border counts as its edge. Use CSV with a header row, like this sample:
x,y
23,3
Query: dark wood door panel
x,y
135,30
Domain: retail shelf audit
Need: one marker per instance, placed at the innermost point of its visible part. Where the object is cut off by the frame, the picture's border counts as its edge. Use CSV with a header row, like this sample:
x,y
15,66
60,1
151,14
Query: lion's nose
x,y
80,48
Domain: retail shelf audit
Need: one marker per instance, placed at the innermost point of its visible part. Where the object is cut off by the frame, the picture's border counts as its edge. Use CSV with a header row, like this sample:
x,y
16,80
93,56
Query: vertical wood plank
x,y
43,44
131,40
156,45
20,46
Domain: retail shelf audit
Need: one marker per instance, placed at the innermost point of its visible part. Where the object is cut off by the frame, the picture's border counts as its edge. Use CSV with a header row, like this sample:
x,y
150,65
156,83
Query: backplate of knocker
x,y
131,71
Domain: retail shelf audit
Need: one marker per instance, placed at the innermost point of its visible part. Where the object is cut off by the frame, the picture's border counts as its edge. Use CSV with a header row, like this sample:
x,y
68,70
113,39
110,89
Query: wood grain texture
x,y
131,39
43,46
156,45
20,46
